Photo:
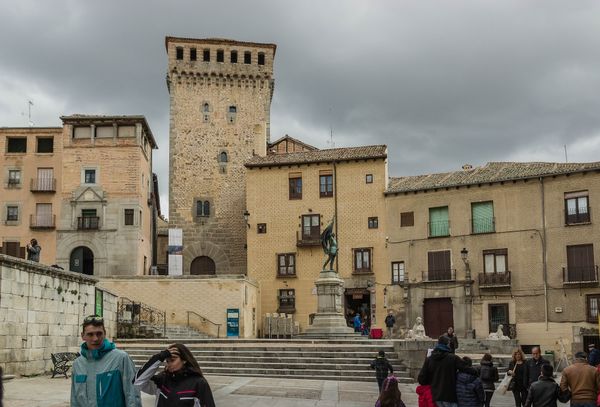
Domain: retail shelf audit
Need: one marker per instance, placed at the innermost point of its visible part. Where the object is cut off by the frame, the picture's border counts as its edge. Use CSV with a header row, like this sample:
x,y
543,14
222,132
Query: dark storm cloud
x,y
441,83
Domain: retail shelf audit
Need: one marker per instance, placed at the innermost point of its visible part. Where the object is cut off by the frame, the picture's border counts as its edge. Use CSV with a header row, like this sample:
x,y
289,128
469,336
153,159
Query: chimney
x,y
467,167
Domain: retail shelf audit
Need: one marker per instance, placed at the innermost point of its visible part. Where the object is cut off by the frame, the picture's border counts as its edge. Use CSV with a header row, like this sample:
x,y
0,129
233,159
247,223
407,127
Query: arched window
x,y
82,260
231,114
203,265
223,157
205,108
206,211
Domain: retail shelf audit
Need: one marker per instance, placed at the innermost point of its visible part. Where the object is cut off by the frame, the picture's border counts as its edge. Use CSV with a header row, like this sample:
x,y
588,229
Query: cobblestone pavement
x,y
43,391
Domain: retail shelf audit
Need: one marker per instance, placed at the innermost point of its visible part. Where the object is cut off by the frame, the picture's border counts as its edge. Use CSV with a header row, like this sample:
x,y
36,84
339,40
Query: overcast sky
x,y
442,83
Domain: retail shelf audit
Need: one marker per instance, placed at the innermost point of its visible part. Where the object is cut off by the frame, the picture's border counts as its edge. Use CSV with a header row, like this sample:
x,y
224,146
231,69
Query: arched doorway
x,y
203,265
82,260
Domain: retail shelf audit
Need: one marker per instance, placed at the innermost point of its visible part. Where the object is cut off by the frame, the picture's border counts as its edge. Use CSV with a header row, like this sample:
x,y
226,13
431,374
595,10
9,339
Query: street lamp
x,y
464,253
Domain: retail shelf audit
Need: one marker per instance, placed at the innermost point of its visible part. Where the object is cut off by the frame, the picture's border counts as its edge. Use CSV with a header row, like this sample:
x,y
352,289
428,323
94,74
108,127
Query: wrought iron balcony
x,y
13,183
88,223
573,218
584,275
483,225
432,276
307,240
42,221
494,280
43,185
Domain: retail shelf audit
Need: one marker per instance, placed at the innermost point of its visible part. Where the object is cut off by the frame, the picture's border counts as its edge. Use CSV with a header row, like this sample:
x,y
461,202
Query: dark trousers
x,y
520,396
380,383
488,397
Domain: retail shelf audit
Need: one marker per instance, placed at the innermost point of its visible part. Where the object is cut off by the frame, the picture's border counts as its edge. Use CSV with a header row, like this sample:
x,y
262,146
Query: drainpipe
x,y
544,251
335,211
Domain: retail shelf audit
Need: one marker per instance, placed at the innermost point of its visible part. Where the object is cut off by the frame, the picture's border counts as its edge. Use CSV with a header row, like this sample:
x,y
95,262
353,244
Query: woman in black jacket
x,y
181,384
518,384
488,374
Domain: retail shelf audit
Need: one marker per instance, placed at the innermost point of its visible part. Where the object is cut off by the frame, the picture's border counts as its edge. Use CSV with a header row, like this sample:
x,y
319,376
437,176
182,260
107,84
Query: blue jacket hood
x,y
99,353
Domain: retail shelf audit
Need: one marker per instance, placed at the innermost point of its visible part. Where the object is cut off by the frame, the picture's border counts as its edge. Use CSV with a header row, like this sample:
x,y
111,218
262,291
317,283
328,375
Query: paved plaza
x,y
43,391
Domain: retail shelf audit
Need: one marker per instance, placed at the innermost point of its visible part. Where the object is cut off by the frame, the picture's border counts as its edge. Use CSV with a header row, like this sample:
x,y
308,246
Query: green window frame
x,y
439,224
99,303
482,217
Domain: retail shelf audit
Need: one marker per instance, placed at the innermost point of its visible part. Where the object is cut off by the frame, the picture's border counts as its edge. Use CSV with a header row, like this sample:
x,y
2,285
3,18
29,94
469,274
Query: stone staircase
x,y
293,358
182,332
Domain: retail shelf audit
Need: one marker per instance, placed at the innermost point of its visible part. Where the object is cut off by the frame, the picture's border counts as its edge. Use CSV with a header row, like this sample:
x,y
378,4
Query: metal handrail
x,y
483,225
438,275
588,275
494,279
204,319
42,185
439,228
573,218
141,314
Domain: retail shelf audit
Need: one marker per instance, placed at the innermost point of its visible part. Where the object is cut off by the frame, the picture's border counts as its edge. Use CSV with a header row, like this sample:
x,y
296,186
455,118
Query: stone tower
x,y
220,101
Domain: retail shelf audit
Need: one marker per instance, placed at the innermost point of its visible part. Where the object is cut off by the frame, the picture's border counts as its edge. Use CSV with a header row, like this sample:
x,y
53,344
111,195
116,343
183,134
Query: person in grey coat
x,y
33,250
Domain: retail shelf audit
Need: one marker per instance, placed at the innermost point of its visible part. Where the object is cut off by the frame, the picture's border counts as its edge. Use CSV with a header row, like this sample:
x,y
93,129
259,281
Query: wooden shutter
x,y
483,215
407,219
438,221
580,262
439,265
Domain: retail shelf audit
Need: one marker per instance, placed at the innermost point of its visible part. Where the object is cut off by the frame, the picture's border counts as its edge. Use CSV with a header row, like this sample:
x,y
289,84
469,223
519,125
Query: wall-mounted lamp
x,y
246,217
468,290
464,254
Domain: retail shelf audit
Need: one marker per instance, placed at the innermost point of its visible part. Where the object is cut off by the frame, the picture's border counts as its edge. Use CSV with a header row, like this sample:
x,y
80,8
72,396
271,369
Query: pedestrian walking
x,y
33,250
518,383
425,397
545,392
390,321
488,374
1,388
357,322
180,384
439,371
452,339
382,367
390,396
594,355
582,381
533,366
102,375
469,389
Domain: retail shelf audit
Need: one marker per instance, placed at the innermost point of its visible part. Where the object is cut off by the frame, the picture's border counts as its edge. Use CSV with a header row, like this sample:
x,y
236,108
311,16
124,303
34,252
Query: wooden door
x,y
437,316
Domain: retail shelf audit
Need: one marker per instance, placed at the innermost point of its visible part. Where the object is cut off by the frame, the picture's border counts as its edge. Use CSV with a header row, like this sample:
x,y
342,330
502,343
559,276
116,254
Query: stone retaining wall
x,y
41,310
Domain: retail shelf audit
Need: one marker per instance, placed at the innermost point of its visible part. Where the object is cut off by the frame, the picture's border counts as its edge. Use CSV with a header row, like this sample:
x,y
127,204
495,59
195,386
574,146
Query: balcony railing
x,y
13,183
494,280
438,228
587,275
572,218
43,185
307,240
42,221
439,275
88,223
483,225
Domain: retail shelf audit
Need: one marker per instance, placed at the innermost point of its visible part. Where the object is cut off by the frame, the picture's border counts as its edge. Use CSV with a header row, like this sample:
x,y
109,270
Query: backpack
x,y
485,374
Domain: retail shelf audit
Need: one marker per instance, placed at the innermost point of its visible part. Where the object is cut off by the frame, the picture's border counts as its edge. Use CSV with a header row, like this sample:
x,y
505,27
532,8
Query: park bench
x,y
62,362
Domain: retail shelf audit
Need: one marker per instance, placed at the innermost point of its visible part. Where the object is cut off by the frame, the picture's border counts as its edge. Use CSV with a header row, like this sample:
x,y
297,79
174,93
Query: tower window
x,y
206,55
220,55
202,208
179,53
193,55
261,58
205,108
247,57
231,114
223,157
234,57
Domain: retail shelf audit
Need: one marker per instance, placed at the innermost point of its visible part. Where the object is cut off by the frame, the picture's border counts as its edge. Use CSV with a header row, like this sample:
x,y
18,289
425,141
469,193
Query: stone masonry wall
x,y
198,138
41,310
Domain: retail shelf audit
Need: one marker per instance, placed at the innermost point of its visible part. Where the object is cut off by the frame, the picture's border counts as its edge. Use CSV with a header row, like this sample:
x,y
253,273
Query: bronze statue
x,y
330,246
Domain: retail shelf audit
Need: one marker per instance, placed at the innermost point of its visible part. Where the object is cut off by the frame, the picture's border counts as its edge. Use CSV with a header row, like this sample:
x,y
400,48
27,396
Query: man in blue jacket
x,y
102,375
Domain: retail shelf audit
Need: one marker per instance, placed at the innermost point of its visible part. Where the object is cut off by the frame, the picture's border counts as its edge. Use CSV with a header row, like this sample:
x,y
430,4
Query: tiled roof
x,y
295,140
319,156
491,172
219,41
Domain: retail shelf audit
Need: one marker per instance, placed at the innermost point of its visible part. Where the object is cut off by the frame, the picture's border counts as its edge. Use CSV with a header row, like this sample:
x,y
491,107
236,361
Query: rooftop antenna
x,y
29,104
330,141
566,157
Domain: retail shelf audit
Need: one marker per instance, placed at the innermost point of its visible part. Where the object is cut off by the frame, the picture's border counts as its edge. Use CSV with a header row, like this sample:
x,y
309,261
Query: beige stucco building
x,y
291,198
84,191
526,232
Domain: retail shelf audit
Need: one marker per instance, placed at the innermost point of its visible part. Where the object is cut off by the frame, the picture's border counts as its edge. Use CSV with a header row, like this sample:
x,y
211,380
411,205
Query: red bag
x,y
425,397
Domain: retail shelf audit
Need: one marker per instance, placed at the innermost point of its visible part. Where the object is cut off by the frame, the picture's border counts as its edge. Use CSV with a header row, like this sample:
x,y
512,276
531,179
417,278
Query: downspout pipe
x,y
335,211
544,251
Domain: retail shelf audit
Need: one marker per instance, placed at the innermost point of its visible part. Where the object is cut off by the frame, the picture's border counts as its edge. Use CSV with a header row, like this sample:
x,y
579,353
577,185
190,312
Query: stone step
x,y
272,342
287,359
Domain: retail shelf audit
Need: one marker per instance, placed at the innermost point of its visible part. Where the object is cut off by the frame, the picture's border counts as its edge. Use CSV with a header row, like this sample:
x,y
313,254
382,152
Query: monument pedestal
x,y
329,321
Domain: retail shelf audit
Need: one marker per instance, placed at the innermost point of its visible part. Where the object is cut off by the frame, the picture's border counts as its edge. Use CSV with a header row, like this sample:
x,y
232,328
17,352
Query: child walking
x,y
390,396
382,366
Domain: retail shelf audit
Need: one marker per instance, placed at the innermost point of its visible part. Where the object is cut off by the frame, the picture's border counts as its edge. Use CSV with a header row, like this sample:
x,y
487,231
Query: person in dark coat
x,y
533,366
33,250
439,370
469,389
390,320
382,366
516,369
452,339
488,374
545,391
593,355
357,322
1,388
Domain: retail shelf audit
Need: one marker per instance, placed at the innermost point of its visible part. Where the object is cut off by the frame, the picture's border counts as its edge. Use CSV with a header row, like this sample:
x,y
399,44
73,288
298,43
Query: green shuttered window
x,y
439,225
483,217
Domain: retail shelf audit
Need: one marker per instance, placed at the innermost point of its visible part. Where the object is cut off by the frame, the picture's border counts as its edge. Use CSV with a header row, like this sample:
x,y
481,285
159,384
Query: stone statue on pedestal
x,y
499,334
330,246
418,330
